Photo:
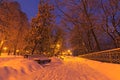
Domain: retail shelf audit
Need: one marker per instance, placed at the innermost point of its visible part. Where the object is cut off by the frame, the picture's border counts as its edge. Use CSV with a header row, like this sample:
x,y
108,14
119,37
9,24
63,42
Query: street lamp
x,y
5,48
58,45
69,52
17,51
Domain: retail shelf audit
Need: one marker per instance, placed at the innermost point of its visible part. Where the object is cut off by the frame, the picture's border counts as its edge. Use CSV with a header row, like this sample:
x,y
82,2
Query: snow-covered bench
x,y
26,56
43,61
38,58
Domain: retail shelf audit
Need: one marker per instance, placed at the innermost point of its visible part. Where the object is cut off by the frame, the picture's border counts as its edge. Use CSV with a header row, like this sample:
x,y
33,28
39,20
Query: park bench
x,y
43,61
26,56
38,58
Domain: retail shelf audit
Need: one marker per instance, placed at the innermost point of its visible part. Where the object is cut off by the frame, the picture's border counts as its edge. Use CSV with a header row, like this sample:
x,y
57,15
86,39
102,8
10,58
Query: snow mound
x,y
10,68
111,70
55,59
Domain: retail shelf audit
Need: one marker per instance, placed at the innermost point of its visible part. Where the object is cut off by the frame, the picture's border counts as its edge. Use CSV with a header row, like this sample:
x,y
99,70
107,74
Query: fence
x,y
111,56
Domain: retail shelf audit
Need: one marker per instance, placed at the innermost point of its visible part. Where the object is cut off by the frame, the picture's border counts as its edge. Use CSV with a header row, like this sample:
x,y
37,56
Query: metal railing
x,y
111,56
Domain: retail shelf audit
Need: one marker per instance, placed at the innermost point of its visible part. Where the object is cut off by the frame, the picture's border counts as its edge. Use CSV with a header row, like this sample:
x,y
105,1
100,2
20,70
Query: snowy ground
x,y
71,68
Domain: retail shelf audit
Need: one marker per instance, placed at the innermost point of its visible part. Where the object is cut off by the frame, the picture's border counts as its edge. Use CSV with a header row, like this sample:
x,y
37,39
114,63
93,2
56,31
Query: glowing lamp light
x,y
5,48
27,51
58,45
63,53
69,51
17,50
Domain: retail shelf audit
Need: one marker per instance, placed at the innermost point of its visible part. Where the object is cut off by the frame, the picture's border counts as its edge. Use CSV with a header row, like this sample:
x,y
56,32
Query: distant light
x,y
58,45
17,50
69,51
63,53
5,48
27,51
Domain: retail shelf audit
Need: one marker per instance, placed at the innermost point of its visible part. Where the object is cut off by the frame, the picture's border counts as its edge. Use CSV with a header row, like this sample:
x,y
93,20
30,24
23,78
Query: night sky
x,y
30,7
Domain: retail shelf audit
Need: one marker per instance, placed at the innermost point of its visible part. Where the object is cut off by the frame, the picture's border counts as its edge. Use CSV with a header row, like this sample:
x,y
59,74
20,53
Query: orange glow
x,y
17,50
58,46
27,51
5,48
69,52
1,43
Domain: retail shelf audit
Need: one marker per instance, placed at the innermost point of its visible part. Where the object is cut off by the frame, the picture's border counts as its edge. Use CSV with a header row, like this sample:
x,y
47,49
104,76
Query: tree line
x,y
13,26
39,36
84,26
94,24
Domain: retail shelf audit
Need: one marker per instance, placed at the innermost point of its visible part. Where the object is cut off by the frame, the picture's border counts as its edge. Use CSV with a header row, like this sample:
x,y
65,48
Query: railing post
x,y
110,57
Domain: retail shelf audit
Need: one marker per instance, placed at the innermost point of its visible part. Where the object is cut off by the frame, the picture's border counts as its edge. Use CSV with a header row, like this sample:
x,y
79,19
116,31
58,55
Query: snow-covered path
x,y
71,68
67,70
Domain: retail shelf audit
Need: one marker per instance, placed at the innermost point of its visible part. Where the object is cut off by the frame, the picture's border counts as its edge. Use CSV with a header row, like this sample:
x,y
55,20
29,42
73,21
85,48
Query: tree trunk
x,y
89,42
14,51
91,25
34,48
1,49
96,40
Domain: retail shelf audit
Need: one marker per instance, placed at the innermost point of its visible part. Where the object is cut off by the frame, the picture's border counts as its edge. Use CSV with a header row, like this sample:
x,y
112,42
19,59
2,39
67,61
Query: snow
x,y
68,68
12,68
112,71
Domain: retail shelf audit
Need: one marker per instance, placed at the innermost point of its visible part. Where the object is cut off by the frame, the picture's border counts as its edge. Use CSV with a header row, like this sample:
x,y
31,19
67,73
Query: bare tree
x,y
111,18
81,13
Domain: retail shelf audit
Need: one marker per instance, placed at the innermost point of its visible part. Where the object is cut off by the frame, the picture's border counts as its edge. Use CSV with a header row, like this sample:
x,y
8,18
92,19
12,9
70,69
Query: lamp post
x,y
58,46
1,46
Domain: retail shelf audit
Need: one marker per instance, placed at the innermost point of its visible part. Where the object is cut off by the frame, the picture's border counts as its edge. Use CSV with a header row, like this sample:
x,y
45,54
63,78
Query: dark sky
x,y
30,7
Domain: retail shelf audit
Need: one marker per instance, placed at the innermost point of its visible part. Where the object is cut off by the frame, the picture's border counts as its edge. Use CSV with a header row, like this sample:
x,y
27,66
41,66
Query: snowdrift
x,y
12,68
68,68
